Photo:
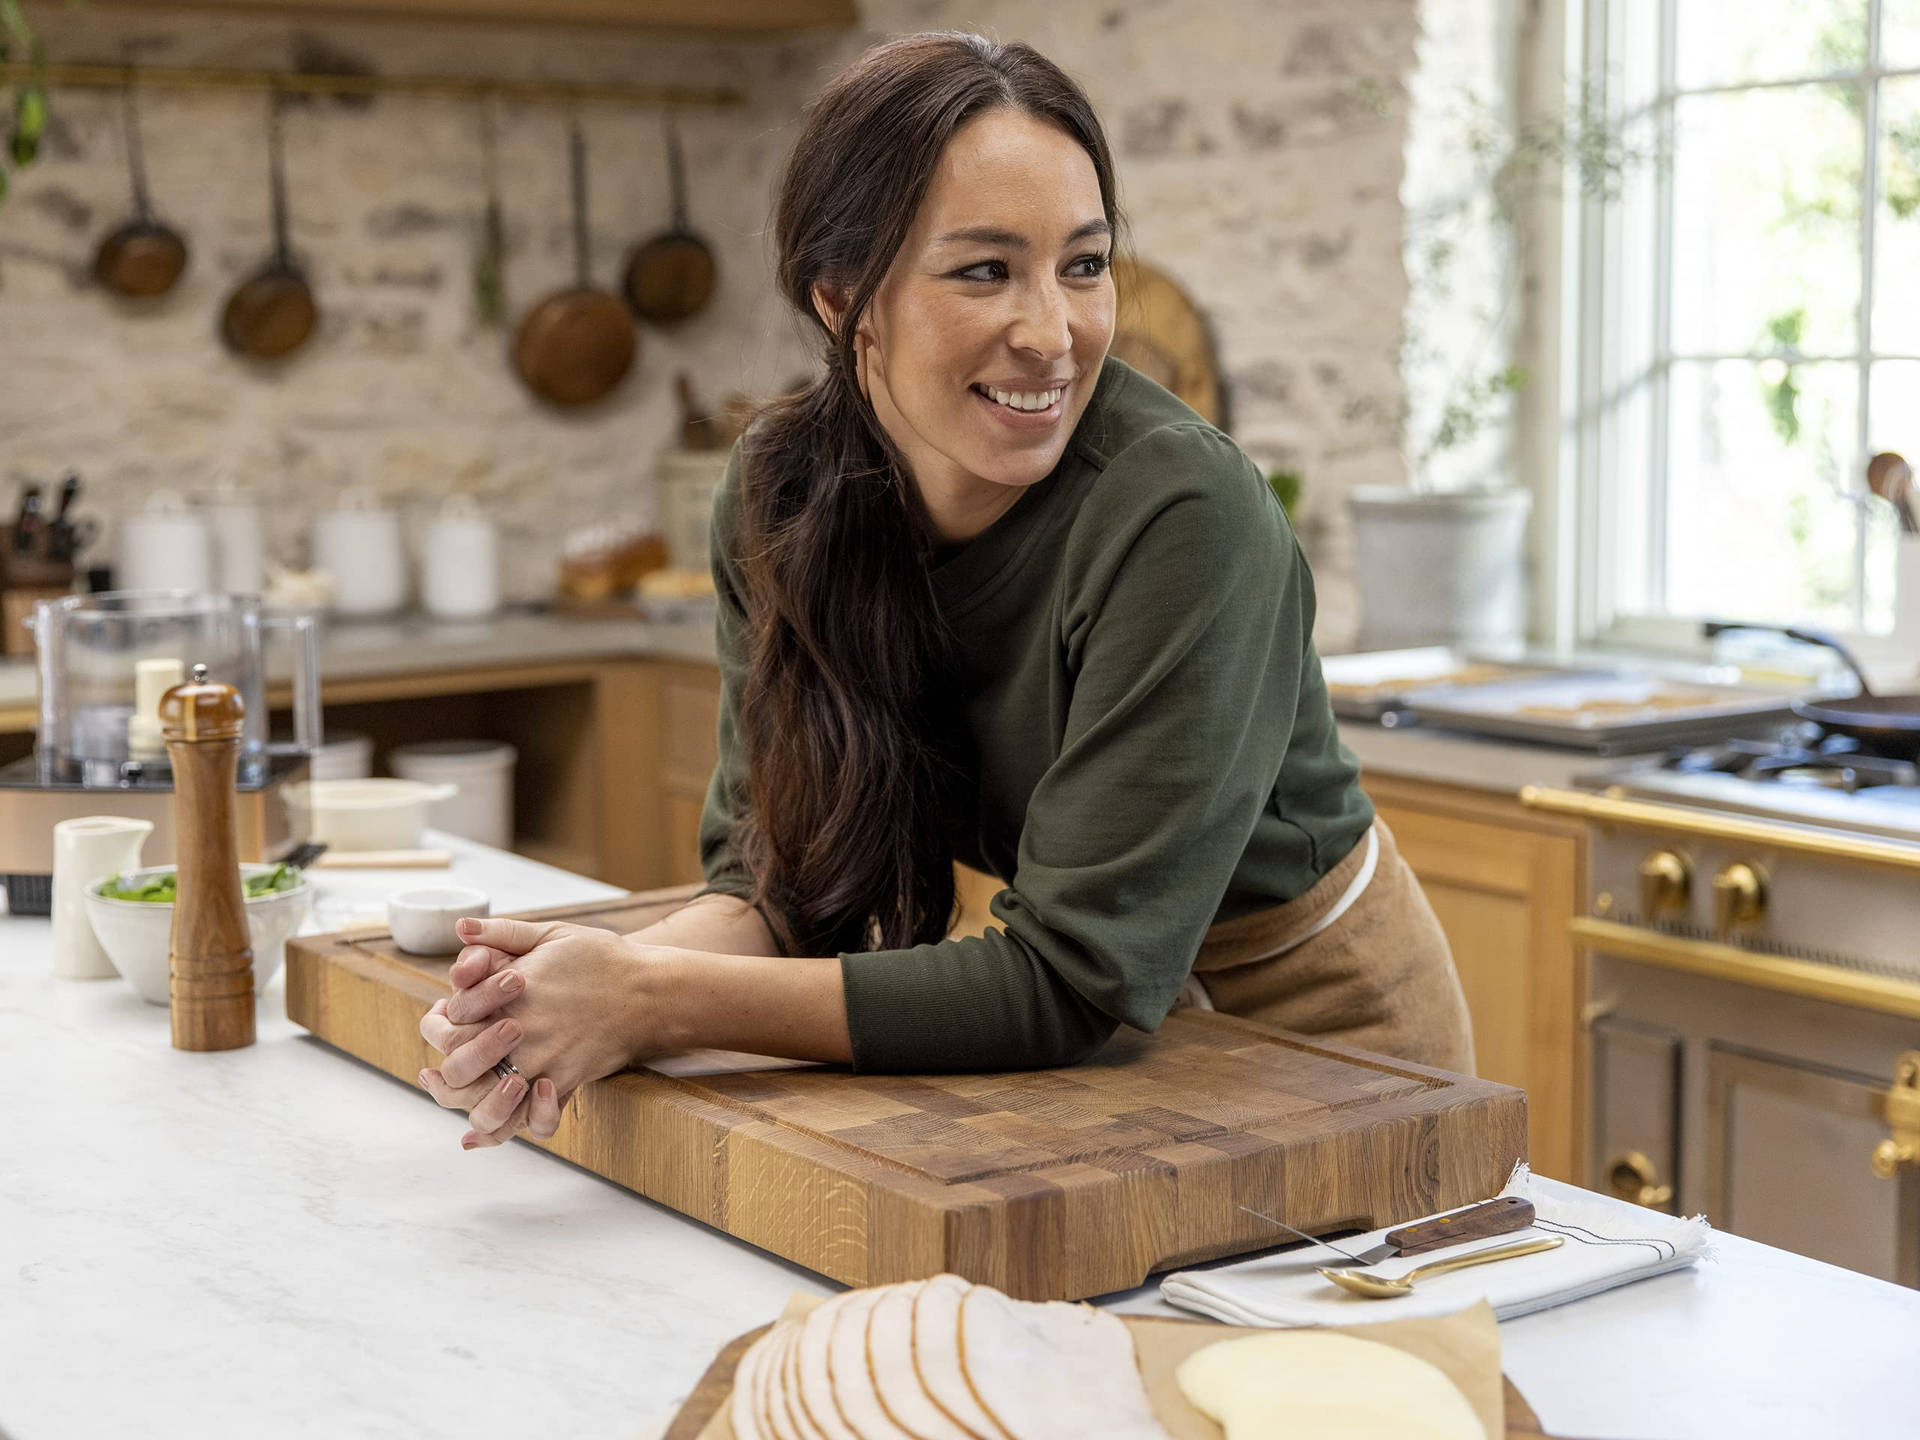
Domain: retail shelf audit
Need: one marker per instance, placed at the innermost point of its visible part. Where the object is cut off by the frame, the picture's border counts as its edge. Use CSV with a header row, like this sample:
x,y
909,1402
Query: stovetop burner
x,y
1826,762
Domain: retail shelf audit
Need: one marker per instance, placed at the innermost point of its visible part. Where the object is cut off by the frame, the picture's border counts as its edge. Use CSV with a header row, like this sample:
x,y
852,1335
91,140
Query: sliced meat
x,y
890,1358
848,1367
1047,1370
811,1351
936,1357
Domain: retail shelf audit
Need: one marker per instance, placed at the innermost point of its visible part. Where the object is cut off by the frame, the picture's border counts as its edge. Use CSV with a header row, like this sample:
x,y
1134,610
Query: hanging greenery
x,y
18,44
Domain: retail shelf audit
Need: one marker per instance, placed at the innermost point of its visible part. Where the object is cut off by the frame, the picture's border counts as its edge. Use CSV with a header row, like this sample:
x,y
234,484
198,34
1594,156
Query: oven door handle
x,y
1806,978
1610,807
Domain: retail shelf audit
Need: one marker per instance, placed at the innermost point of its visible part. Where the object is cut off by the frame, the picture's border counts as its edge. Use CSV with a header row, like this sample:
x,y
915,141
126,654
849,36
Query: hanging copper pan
x,y
144,257
670,278
272,314
577,344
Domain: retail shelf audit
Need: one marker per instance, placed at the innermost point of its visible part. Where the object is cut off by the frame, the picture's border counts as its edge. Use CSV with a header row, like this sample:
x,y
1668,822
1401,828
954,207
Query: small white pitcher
x,y
84,851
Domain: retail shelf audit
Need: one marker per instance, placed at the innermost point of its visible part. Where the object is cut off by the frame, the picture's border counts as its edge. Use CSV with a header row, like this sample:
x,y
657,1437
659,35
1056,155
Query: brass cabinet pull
x,y
1902,1147
1632,1177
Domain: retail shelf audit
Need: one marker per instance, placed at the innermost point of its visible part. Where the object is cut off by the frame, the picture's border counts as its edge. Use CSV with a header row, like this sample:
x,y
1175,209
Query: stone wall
x,y
1260,155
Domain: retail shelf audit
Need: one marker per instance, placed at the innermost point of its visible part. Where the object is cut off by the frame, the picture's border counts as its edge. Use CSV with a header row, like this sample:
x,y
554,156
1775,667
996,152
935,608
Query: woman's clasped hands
x,y
563,1004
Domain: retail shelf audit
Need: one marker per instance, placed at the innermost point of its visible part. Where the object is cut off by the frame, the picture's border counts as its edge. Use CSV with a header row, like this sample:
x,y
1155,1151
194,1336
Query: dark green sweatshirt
x,y
1154,745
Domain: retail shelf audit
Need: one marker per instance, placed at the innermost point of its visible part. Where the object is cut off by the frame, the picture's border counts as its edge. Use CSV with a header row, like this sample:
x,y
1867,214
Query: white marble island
x,y
281,1241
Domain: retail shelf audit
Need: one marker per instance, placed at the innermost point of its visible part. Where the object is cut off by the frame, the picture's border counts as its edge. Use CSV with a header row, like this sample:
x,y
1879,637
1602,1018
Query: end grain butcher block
x,y
1055,1184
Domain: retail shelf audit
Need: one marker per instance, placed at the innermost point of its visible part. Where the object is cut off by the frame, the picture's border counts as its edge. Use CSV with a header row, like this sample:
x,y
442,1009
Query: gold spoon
x,y
1379,1287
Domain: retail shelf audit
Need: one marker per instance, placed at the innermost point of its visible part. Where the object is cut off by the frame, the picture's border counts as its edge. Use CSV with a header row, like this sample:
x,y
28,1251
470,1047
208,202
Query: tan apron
x,y
1377,975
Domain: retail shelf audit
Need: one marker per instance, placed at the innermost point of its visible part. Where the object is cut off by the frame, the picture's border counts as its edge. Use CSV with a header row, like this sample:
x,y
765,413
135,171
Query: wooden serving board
x,y
1054,1184
697,1418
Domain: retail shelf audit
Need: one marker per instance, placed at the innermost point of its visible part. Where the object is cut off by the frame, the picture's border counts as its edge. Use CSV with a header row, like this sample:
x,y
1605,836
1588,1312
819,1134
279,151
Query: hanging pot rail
x,y
176,77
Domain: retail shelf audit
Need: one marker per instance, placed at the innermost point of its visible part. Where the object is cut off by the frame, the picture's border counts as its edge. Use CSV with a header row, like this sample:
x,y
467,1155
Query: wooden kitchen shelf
x,y
164,77
733,17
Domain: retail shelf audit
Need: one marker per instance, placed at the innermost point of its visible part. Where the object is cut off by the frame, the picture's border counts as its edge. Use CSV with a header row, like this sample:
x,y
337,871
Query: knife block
x,y
26,580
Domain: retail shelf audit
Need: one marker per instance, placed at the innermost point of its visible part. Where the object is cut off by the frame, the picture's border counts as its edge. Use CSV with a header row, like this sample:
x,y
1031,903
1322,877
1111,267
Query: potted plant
x,y
1442,559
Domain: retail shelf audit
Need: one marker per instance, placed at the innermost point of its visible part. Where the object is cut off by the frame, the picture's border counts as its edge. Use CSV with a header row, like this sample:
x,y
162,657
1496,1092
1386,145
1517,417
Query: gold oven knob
x,y
1739,896
1632,1177
1890,1155
1902,1103
1666,881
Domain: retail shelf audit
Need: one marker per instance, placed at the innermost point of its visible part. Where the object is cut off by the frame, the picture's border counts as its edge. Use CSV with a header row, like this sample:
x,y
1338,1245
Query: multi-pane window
x,y
1752,325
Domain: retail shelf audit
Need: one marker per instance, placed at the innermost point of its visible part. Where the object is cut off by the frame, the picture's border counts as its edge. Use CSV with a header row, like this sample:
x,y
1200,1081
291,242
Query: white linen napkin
x,y
1608,1243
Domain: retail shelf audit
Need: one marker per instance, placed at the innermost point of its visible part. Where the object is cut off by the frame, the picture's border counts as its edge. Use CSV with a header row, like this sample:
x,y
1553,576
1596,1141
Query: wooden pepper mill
x,y
209,957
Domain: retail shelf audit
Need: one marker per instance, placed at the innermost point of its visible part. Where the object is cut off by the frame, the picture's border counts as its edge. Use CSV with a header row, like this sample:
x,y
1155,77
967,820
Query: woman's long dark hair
x,y
851,706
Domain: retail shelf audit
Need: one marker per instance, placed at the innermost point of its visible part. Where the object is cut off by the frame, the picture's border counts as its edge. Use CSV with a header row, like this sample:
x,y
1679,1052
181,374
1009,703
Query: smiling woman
x,y
986,594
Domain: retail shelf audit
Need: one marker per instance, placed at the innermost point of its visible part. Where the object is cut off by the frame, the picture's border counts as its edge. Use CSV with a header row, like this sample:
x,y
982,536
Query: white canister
x,y
482,808
167,546
85,850
239,541
688,480
460,562
343,755
363,547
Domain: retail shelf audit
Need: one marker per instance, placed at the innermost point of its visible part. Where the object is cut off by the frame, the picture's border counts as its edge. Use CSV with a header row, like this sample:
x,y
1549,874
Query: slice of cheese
x,y
1318,1385
890,1358
1052,1369
936,1357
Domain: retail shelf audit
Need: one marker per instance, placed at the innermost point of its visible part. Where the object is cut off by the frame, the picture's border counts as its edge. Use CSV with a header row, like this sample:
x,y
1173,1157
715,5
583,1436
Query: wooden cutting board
x,y
1055,1184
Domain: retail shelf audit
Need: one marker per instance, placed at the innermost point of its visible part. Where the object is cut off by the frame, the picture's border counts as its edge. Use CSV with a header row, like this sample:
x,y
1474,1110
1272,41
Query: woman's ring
x,y
506,1068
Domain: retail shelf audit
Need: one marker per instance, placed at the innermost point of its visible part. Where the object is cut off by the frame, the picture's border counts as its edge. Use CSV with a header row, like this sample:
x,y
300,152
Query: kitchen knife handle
x,y
1501,1216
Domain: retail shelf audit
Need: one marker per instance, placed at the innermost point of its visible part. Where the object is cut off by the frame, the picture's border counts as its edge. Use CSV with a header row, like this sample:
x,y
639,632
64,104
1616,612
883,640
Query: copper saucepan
x,y
272,314
670,278
145,256
576,344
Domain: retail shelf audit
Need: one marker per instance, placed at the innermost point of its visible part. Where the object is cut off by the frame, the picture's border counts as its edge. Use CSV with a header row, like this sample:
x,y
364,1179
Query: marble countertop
x,y
1456,759
283,1241
414,644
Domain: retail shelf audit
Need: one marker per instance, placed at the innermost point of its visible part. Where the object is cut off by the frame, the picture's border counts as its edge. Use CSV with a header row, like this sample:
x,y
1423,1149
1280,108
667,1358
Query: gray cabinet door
x,y
1636,1112
1788,1146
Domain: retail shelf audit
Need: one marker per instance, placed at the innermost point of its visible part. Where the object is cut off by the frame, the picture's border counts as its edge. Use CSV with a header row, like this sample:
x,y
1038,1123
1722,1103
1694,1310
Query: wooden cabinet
x,y
1505,882
727,16
688,702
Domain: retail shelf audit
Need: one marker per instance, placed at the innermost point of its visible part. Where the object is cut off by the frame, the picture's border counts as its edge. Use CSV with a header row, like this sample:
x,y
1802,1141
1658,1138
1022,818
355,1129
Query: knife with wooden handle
x,y
1500,1216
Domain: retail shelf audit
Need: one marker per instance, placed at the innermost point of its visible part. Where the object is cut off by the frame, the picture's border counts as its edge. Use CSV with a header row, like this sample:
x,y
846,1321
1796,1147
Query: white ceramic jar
x,y
239,541
363,547
460,562
166,546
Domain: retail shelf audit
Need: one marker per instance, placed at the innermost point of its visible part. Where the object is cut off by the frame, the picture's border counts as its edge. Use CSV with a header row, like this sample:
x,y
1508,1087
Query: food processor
x,y
104,662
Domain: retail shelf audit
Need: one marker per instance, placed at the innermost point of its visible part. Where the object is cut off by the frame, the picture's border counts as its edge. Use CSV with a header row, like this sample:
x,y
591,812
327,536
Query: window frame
x,y
1584,606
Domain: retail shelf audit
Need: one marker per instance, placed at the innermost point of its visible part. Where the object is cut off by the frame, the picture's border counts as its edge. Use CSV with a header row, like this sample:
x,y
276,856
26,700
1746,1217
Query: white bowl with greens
x,y
132,916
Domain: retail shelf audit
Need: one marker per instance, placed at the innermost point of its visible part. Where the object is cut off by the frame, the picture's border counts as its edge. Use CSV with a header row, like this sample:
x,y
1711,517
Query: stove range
x,y
1800,776
1752,1007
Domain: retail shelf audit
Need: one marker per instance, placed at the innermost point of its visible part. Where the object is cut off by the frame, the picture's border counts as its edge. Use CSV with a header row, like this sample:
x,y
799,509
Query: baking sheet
x,y
1609,713
1369,684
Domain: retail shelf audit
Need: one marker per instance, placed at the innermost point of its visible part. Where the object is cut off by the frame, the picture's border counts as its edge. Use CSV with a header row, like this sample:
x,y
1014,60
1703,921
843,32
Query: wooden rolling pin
x,y
209,957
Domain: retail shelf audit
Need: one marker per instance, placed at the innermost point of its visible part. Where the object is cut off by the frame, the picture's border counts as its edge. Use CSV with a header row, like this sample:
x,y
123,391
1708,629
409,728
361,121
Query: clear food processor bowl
x,y
94,725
